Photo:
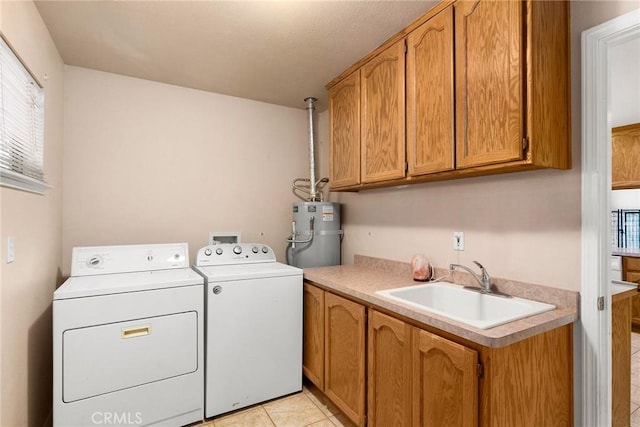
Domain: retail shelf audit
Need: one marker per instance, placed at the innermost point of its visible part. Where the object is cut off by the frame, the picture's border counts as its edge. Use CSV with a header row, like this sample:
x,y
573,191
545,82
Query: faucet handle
x,y
485,274
479,265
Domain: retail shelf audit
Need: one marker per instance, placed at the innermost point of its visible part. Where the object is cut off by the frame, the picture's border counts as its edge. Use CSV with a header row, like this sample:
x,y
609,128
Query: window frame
x,y
16,179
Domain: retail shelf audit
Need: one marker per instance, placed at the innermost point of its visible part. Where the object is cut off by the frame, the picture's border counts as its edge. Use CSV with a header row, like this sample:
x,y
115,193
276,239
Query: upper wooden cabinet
x,y
489,82
487,90
344,124
625,154
366,118
383,110
430,95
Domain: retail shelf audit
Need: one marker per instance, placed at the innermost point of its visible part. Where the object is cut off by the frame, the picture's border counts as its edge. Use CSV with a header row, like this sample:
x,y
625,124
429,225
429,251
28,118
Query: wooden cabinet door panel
x,y
489,82
430,96
445,382
313,351
621,362
631,264
344,355
633,276
389,367
344,125
625,155
383,115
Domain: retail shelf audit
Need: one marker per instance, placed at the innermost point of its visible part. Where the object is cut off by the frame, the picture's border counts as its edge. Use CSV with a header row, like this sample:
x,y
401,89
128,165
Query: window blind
x,y
21,125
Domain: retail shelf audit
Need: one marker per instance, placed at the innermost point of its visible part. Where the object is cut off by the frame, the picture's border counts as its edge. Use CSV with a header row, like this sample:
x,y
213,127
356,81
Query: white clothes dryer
x,y
253,338
128,338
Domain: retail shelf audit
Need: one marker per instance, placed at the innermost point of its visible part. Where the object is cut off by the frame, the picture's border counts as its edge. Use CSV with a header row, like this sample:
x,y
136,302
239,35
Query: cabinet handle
x,y
138,331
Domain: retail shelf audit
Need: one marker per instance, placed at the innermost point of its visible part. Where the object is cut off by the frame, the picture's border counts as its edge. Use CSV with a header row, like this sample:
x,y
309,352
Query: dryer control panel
x,y
94,260
234,253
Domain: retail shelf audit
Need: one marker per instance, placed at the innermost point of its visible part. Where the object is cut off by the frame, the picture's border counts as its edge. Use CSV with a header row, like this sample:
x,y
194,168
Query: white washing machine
x,y
128,338
253,338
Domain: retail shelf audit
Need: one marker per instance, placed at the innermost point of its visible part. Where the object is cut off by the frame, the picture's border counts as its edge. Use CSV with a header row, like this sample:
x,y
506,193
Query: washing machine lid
x,y
117,283
247,271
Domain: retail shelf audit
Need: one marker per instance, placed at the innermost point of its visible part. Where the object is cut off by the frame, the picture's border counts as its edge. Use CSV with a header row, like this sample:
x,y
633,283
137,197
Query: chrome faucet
x,y
484,280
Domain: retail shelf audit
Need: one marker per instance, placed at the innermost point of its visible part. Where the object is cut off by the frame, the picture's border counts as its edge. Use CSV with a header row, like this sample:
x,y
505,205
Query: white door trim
x,y
595,337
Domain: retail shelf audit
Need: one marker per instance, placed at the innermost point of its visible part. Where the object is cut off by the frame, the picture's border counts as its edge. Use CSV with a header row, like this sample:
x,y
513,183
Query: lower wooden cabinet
x,y
529,383
620,361
418,377
344,353
445,378
334,349
631,273
389,371
313,348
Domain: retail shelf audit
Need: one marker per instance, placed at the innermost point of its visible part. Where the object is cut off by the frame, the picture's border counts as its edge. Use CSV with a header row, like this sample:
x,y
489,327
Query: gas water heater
x,y
316,235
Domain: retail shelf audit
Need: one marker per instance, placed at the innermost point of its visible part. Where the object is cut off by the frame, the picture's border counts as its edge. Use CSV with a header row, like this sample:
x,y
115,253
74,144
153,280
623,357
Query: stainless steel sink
x,y
482,311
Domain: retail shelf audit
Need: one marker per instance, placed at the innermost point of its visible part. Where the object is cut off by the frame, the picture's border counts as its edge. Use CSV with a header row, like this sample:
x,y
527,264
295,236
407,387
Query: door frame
x,y
594,393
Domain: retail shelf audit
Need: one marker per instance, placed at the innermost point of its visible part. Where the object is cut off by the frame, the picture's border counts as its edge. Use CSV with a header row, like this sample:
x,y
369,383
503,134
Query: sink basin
x,y
472,308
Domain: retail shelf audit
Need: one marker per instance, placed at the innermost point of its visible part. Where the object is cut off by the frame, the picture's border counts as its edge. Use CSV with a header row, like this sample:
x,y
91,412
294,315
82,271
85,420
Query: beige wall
x,y
523,226
36,223
146,162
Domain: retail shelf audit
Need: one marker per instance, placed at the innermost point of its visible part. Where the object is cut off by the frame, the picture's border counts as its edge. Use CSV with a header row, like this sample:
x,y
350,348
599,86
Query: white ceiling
x,y
278,52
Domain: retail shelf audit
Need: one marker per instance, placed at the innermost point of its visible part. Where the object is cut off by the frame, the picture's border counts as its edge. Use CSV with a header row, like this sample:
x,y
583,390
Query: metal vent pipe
x,y
313,197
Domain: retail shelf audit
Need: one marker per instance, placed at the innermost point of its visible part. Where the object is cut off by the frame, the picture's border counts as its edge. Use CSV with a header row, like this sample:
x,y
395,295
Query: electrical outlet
x,y
458,241
11,249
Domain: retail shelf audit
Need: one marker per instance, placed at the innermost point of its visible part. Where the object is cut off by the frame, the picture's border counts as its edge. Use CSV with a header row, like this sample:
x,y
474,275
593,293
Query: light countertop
x,y
621,290
360,281
631,252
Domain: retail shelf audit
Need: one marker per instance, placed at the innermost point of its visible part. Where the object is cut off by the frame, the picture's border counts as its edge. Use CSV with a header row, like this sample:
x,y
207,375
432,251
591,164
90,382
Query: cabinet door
x,y
344,125
621,362
489,82
344,355
383,114
625,155
430,96
389,371
313,349
445,382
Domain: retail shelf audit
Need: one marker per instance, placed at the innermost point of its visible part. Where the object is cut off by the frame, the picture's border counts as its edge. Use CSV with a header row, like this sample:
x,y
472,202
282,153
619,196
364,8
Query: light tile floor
x,y
307,408
635,379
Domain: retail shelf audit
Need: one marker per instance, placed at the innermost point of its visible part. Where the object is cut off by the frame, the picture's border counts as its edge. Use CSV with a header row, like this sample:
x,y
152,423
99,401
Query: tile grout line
x,y
301,393
319,408
268,415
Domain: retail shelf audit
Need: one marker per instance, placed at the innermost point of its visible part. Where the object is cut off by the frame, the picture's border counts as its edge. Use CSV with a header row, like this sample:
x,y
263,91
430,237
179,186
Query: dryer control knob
x,y
95,261
237,250
265,249
254,249
207,252
219,251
